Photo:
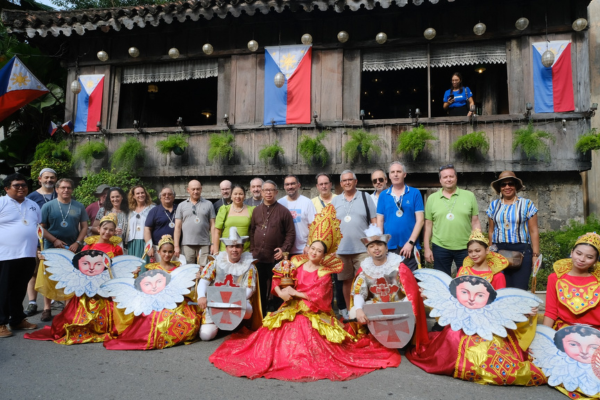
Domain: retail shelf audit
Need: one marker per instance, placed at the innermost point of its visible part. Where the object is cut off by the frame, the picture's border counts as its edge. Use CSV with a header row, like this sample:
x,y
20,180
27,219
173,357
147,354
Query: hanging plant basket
x,y
178,151
98,155
173,143
88,152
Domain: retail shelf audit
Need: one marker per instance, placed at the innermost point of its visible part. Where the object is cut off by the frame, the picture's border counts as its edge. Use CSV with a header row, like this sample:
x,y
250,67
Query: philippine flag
x,y
18,87
89,103
289,104
553,86
52,129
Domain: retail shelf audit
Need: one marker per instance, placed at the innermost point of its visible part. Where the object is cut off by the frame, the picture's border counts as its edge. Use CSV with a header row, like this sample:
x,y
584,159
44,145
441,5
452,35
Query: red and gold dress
x,y
501,361
302,341
160,329
86,319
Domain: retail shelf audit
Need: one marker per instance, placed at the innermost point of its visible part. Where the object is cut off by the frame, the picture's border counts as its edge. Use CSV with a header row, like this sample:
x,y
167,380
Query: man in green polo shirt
x,y
450,216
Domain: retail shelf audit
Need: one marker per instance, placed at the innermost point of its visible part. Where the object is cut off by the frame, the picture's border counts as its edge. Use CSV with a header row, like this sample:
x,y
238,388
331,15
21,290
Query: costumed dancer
x,y
106,241
232,268
482,262
303,341
383,278
480,341
169,319
89,317
569,356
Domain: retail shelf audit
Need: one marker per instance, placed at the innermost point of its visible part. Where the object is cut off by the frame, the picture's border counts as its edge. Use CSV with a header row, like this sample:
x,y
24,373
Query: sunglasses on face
x,y
443,167
19,186
509,183
378,180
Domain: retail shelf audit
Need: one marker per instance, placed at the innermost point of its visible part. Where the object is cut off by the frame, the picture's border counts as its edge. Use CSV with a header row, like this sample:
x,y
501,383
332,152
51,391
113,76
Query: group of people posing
x,y
362,247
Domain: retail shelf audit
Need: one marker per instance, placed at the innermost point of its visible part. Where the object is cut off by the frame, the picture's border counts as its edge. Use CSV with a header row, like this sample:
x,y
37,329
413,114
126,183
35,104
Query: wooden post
x,y
428,82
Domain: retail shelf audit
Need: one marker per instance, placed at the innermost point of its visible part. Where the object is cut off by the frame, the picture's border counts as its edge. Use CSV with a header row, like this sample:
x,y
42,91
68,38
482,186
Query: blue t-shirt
x,y
41,199
461,97
159,219
52,219
400,227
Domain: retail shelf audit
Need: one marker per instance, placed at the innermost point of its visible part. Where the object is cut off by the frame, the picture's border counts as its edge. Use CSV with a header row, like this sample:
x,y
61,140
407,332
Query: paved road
x,y
45,370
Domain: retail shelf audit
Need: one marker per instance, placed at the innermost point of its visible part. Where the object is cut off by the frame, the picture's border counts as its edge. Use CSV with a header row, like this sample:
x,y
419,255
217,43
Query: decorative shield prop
x,y
226,306
417,257
392,324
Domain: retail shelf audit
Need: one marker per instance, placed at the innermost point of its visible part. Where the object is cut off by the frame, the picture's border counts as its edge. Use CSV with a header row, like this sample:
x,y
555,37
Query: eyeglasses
x,y
507,183
65,188
378,180
19,186
167,194
443,167
269,190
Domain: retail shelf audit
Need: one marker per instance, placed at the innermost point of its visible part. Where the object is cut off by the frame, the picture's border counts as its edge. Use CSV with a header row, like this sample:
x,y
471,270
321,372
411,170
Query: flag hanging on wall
x,y
553,86
89,103
289,104
18,87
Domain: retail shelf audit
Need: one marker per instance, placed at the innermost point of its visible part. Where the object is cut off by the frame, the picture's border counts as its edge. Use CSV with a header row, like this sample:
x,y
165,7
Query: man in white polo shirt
x,y
302,210
19,217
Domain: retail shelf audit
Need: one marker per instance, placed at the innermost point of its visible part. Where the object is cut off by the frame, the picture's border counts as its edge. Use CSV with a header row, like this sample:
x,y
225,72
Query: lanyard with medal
x,y
348,218
171,224
450,216
64,222
23,216
400,212
197,219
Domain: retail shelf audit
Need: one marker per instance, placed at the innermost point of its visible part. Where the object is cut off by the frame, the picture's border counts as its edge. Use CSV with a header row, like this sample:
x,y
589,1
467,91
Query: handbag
x,y
515,258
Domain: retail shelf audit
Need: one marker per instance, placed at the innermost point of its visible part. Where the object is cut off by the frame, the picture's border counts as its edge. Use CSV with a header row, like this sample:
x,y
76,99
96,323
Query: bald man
x,y
225,188
194,221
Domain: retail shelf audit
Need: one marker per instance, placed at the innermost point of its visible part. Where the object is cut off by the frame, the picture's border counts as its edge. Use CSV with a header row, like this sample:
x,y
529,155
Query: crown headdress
x,y
112,217
326,228
166,239
591,238
477,235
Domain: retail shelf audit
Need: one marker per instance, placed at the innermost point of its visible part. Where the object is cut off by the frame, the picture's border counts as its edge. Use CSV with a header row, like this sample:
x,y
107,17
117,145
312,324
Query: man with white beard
x,y
47,179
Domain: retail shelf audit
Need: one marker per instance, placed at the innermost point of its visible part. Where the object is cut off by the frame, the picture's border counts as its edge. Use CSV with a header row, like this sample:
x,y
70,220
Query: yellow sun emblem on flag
x,y
90,84
21,80
288,61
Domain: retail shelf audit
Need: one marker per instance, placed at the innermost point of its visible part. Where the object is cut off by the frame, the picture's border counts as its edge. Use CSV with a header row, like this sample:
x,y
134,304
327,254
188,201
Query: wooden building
x,y
388,81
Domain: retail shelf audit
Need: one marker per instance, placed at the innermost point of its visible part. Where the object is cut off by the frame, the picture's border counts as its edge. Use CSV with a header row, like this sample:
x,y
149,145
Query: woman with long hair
x,y
140,204
114,204
458,99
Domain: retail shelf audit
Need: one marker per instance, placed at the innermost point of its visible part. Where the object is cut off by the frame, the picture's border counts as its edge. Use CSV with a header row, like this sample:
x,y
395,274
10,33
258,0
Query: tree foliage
x,y
86,4
414,141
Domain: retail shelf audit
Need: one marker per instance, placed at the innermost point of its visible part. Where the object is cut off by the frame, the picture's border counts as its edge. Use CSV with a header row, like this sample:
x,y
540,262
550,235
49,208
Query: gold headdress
x,y
326,228
591,238
477,235
165,239
110,217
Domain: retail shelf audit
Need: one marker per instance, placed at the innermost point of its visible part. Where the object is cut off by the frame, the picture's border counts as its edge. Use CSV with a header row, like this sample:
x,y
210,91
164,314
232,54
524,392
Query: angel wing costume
x,y
482,345
90,316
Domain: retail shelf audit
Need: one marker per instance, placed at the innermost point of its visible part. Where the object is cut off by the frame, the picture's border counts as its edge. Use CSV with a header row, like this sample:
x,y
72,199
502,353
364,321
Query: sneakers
x,y
46,315
5,332
344,314
31,309
24,325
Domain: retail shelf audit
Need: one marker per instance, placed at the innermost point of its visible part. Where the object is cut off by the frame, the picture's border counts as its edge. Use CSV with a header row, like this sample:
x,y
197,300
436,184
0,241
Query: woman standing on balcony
x,y
513,226
458,99
235,214
140,204
114,203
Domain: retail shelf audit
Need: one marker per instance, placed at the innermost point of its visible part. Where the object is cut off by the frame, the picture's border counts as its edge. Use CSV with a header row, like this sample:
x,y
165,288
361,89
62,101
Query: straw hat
x,y
504,176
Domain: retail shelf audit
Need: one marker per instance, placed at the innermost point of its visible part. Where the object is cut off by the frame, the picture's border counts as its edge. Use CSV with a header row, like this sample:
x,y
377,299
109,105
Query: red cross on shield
x,y
226,306
392,324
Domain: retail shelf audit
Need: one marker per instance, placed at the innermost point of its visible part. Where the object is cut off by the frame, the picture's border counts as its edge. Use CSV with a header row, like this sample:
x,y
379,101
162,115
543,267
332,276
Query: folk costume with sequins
x,y
303,341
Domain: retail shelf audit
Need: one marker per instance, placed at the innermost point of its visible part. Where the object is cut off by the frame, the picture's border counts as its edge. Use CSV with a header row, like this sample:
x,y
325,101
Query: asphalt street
x,y
45,370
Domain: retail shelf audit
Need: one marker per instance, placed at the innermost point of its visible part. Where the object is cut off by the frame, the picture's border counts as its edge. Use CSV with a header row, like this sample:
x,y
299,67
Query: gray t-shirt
x,y
353,230
52,219
195,221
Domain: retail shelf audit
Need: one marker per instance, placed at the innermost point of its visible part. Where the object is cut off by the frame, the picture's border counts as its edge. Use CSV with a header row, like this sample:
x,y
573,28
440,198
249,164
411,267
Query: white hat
x,y
234,238
374,234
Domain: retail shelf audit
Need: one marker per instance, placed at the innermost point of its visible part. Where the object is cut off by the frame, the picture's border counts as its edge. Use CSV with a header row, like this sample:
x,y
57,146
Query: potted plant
x,y
312,150
89,152
49,148
174,143
220,146
129,157
588,141
361,143
532,143
414,141
271,152
469,144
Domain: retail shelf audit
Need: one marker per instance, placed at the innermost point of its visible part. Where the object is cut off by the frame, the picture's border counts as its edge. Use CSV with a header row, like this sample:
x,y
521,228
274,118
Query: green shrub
x,y
312,150
588,141
64,169
84,192
414,141
129,157
532,144
89,151
220,146
271,152
172,142
468,144
361,143
50,148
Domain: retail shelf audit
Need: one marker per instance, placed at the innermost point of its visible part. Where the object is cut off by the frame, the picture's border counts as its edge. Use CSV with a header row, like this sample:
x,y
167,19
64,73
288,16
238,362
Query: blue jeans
x,y
442,258
518,277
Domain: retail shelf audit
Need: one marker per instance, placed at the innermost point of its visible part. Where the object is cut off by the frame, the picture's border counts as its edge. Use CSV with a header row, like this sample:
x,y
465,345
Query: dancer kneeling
x,y
383,278
302,341
480,341
163,317
231,269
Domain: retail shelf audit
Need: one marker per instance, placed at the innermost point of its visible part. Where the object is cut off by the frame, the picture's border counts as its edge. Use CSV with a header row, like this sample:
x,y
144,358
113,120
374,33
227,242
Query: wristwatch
x,y
411,242
80,243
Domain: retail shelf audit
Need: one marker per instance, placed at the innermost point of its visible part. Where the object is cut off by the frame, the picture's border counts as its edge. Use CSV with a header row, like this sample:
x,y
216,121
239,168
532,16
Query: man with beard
x,y
256,190
47,179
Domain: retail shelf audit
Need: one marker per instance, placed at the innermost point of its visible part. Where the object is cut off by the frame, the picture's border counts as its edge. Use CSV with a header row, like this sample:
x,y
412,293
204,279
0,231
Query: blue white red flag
x,y
553,86
52,129
18,87
89,103
67,127
289,104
